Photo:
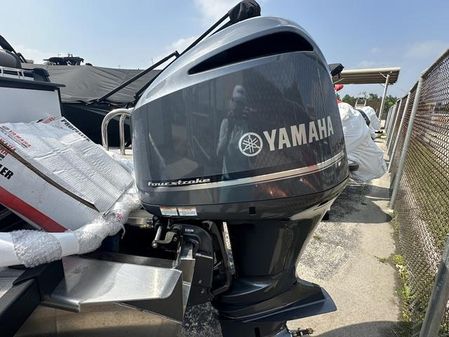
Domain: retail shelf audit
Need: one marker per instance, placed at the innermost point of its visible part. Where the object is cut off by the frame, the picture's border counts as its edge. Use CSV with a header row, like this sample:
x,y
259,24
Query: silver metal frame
x,y
101,298
123,113
382,103
393,124
408,136
392,117
390,112
438,299
395,144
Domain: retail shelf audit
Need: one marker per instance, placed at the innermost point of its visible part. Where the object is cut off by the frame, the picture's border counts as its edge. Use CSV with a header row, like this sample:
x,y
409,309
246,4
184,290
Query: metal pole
x,y
139,75
390,112
398,117
438,299
121,130
406,145
395,122
396,141
383,97
393,113
390,123
104,127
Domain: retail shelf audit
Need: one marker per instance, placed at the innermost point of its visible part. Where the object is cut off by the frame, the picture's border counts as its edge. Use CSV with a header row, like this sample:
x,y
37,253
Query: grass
x,y
404,290
404,328
383,259
428,182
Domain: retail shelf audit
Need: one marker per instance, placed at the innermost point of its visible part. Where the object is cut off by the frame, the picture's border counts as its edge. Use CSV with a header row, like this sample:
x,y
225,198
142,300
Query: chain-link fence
x,y
394,150
422,191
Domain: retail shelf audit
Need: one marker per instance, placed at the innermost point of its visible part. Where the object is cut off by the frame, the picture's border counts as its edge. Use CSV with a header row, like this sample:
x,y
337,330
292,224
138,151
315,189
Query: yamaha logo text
x,y
251,144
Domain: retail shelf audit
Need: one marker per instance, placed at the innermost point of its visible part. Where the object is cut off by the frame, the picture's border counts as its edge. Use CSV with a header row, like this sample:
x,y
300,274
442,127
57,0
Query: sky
x,y
136,33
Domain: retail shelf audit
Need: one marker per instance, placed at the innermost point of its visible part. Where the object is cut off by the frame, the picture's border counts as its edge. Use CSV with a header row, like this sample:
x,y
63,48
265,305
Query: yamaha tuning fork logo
x,y
250,144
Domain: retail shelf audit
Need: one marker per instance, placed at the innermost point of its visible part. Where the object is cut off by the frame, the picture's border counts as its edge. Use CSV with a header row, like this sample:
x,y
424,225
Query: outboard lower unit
x,y
242,135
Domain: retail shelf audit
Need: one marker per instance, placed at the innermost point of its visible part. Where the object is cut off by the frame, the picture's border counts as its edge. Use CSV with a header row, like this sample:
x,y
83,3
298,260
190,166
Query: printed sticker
x,y
187,211
169,211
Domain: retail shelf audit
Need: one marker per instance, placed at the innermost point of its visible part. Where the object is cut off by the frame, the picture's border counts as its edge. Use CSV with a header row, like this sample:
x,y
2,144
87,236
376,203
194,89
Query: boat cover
x,y
361,149
371,113
85,83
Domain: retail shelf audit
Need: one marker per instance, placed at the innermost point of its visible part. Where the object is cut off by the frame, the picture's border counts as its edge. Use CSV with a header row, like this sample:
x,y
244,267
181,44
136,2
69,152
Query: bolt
x,y
302,332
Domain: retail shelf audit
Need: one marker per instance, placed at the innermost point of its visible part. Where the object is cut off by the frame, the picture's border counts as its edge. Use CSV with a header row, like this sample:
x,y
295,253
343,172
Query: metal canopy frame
x,y
385,76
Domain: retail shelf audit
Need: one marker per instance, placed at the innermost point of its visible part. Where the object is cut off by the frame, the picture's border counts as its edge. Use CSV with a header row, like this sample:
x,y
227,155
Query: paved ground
x,y
348,256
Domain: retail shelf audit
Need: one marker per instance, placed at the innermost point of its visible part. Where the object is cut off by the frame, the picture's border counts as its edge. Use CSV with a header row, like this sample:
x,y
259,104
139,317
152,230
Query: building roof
x,y
368,76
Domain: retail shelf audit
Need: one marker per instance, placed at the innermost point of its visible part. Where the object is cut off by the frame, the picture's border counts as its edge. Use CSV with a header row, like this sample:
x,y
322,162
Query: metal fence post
x,y
393,114
382,103
398,107
393,108
406,145
393,123
390,112
438,299
396,141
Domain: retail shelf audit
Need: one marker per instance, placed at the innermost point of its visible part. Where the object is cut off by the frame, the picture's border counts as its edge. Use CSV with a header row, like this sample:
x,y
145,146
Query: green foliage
x,y
373,100
404,289
349,99
389,102
382,259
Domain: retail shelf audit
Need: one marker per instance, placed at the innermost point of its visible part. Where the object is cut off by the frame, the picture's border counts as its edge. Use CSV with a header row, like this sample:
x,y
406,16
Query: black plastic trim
x,y
365,117
276,43
6,82
16,305
28,290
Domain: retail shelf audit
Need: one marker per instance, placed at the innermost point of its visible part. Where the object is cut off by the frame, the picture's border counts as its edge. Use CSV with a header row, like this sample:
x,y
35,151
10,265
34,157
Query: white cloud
x,y
182,43
212,10
178,45
33,54
426,49
375,50
367,64
209,13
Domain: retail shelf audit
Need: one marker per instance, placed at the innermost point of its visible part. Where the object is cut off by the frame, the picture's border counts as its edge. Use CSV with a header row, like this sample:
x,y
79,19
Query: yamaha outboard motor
x,y
241,135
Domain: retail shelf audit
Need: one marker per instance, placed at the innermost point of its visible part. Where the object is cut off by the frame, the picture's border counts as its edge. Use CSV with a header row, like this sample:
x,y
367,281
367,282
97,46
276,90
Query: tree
x,y
349,99
373,100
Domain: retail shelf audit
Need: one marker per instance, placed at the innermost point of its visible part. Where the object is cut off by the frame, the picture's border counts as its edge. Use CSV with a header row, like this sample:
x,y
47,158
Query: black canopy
x,y
87,83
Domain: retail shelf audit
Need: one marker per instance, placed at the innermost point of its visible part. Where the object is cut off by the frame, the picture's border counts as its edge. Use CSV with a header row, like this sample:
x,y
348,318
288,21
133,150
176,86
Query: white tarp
x,y
371,113
360,147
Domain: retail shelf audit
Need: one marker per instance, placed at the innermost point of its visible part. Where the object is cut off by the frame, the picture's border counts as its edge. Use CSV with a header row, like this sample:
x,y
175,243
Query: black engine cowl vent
x,y
276,43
